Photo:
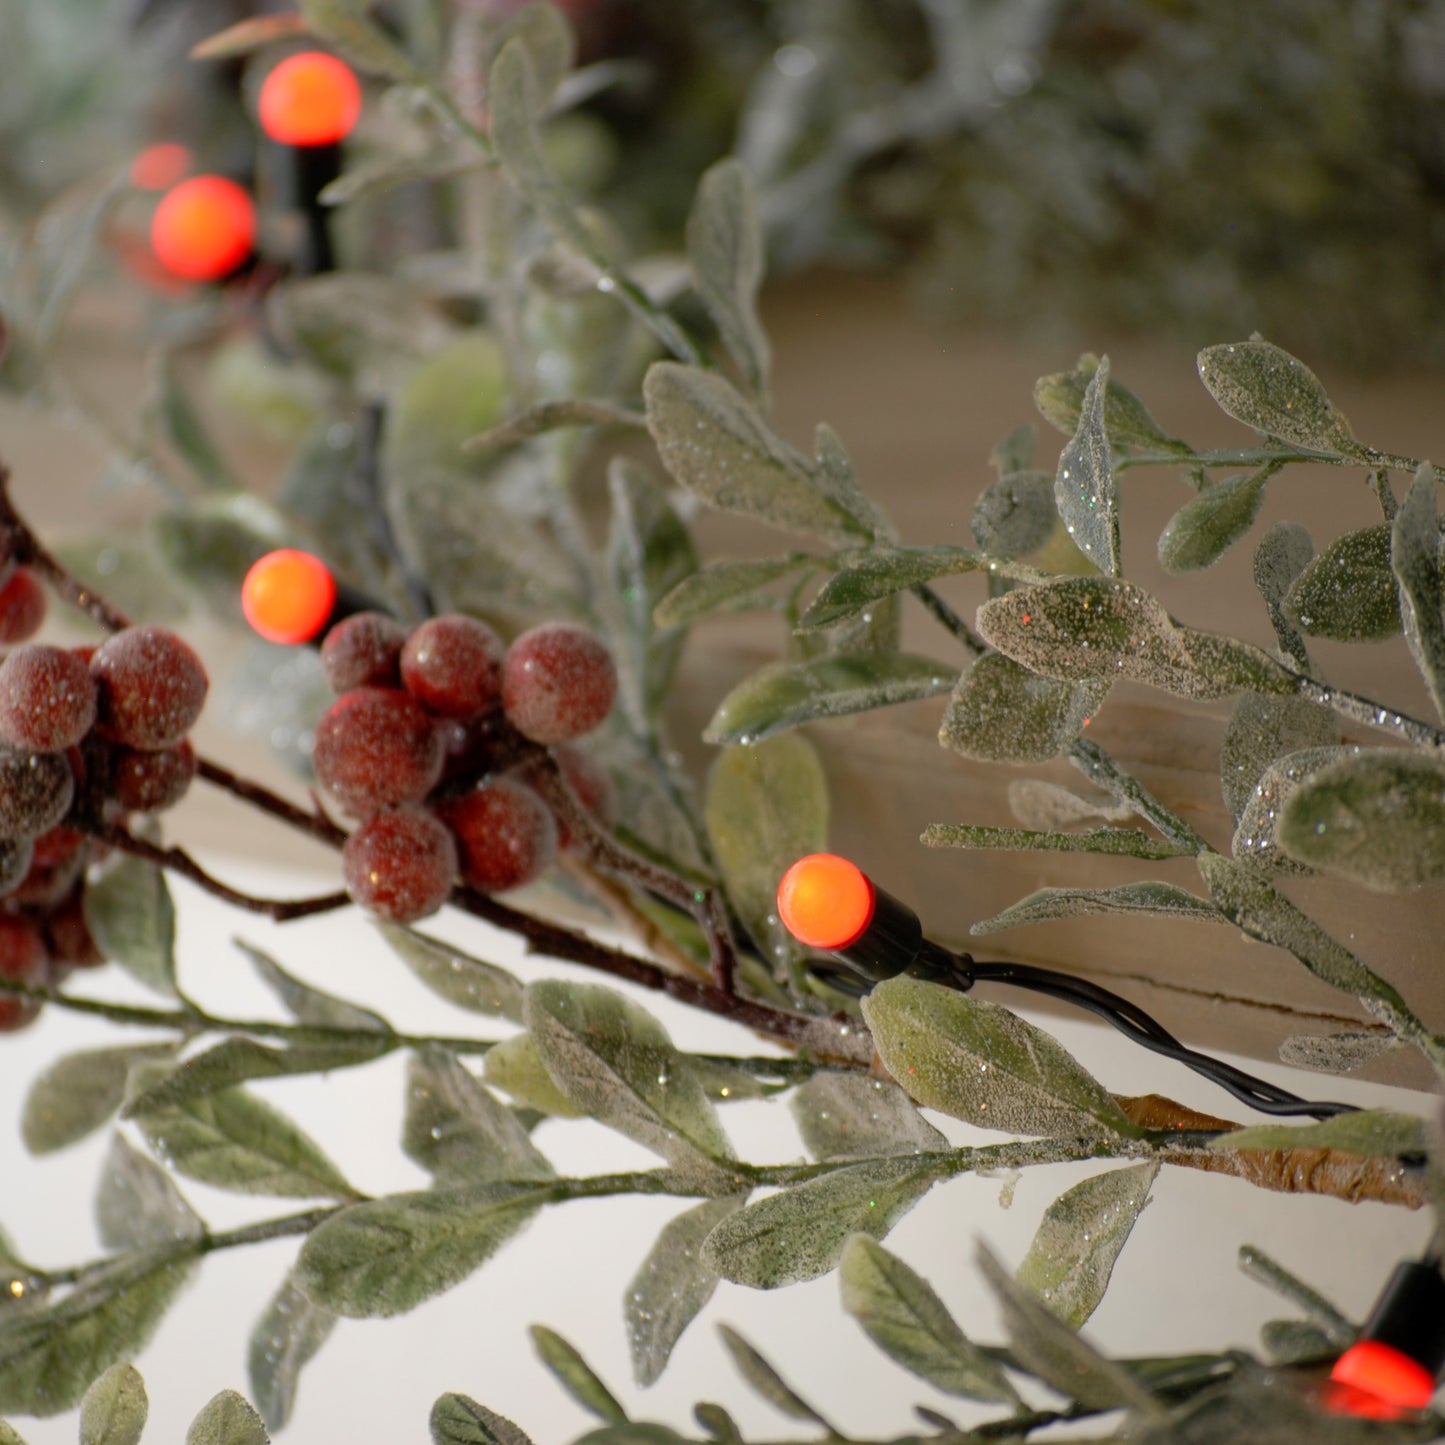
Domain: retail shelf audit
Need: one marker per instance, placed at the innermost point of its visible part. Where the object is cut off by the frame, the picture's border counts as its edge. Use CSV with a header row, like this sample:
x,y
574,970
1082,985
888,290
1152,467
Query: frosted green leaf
x,y
1000,712
285,1339
1268,389
834,471
1263,1269
1040,804
186,431
728,1081
1223,666
546,416
1015,452
130,915
1294,1342
1015,515
902,1315
1371,1133
209,545
786,694
1256,833
457,977
978,1062
114,1409
1348,593
344,25
1261,729
1151,897
610,1057
458,1132
459,1420
549,40
307,1003
842,1115
1049,1348
459,390
79,1092
386,1256
575,1375
137,1205
799,1233
1201,531
228,1418
1336,1053
1072,1255
248,35
718,446
1084,483
514,1067
766,807
671,1286
9,1435
727,587
1062,397
761,1375
717,1422
867,577
1415,558
126,571
1283,553
1112,842
725,247
1377,817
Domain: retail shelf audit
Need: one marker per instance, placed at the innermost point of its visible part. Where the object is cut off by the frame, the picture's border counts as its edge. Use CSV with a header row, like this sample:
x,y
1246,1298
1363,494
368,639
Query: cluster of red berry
x,y
417,747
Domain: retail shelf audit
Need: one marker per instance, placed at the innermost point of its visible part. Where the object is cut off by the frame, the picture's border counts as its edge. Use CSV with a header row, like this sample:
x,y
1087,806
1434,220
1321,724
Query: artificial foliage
x,y
516,423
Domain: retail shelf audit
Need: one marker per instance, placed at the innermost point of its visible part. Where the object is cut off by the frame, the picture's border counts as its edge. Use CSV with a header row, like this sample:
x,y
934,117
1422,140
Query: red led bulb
x,y
825,901
288,596
311,99
204,228
1385,1373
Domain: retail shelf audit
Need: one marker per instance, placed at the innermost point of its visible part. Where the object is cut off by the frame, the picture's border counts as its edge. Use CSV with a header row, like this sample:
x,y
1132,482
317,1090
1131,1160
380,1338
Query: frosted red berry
x,y
36,790
400,865
143,782
590,781
68,936
505,833
453,665
377,747
558,682
22,960
363,650
150,688
47,697
57,844
22,606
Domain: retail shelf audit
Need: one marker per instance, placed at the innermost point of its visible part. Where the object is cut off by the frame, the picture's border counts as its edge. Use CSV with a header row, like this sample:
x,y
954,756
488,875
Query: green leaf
x,y
834,471
1072,1255
1014,453
1268,389
460,979
459,1420
902,1315
575,1375
1336,1053
1084,483
208,546
129,913
1261,1268
458,1132
228,1418
1262,729
799,1233
248,35
386,1256
1377,817
550,44
185,430
717,1422
515,1067
726,587
1293,1342
718,446
787,694
978,1062
123,569
459,390
65,238
1371,1133
9,1435
767,1381
1016,514
1256,834
1348,593
725,247
79,1092
766,806
1062,397
1283,553
286,1338
1153,897
308,1004
842,1115
1000,712
1201,531
1112,842
344,26
137,1205
114,1409
1415,559
547,416
865,578
671,1286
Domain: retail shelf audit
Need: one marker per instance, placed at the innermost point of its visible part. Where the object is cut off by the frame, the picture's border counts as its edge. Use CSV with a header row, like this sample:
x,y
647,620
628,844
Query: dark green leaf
x,y
79,1092
209,546
458,1420
726,586
228,1418
717,1422
515,1067
1000,712
1256,834
1283,553
286,1338
1293,1342
1084,484
1262,729
130,915
1415,559
1152,896
1372,1133
842,1115
1348,593
308,1004
457,977
1016,514
575,1375
1062,397
186,432
1113,842
343,24
1336,1053
979,1062
767,1381
125,571
114,1409
137,1205
1200,532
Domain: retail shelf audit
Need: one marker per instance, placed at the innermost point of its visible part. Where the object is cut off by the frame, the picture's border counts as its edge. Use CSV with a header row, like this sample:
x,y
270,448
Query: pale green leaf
x,y
208,546
137,1205
186,431
344,25
833,468
9,1435
1084,489
865,578
125,571
307,1003
459,1420
1267,1271
114,1409
460,979
841,1115
726,586
542,29
1256,833
227,1418
761,1375
285,1339
1415,559
515,1067
1371,1133
575,1375
1014,453
1283,553
1201,531
1112,842
248,35
1016,514
546,416
1338,1053
1000,712
459,390
1261,729
129,913
64,240
1062,397
1348,593
79,1092
1151,897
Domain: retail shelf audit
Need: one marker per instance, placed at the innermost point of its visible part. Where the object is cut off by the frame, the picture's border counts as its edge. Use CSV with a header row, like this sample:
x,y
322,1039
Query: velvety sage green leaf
x,y
129,913
63,240
549,41
459,1420
1016,514
978,1062
208,546
1256,834
1062,397
1084,483
902,1315
547,416
1372,1133
307,1003
458,1132
725,247
1377,817
787,694
228,1418
1261,729
1163,900
726,587
50,1355
1112,842
867,577
187,432
21,1285
1224,666
457,977
717,1422
1336,1053
1348,593
1072,1255
126,571
459,390
1201,531
9,1435
285,1339
137,1205
1294,1342
719,446
1415,559
1000,712
833,469
386,1256
729,1081
575,1375
1267,1271
343,25
671,1286
1268,389
1283,553
114,1409
766,806
79,1092
1060,1357
799,1233
515,1067
235,1141
843,1115
761,1375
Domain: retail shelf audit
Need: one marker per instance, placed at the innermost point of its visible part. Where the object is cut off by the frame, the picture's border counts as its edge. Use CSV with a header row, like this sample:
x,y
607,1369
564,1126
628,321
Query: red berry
x,y
22,960
22,606
15,859
68,934
400,865
592,785
558,682
57,844
151,782
472,748
505,833
363,650
47,698
151,687
36,790
376,747
453,665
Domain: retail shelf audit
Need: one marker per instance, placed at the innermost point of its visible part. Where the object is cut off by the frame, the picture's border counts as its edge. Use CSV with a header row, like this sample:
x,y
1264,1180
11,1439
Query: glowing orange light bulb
x,y
288,596
1386,1373
203,228
311,99
160,166
825,901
